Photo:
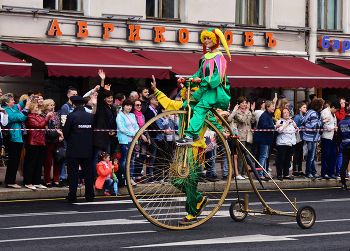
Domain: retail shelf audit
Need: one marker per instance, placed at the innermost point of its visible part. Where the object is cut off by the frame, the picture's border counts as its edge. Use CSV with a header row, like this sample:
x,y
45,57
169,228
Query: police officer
x,y
78,132
343,140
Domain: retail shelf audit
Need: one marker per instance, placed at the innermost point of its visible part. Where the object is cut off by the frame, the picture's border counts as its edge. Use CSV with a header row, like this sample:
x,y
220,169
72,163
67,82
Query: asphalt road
x,y
115,224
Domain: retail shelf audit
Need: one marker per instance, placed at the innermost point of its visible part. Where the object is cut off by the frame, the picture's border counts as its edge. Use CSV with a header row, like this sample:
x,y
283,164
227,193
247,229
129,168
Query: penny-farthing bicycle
x,y
166,202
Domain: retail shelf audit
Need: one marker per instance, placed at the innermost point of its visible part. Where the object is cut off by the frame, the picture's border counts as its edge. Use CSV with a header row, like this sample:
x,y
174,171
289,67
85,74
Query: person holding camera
x,y
285,142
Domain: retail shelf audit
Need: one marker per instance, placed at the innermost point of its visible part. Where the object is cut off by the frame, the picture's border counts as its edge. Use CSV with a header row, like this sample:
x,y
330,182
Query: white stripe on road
x,y
87,223
65,213
240,239
319,221
76,236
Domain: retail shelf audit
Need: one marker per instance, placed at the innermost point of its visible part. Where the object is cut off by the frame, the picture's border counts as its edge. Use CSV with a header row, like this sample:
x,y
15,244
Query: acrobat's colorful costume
x,y
215,88
189,184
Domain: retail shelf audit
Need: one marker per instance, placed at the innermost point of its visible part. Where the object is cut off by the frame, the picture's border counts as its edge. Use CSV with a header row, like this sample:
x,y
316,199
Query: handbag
x,y
59,154
250,137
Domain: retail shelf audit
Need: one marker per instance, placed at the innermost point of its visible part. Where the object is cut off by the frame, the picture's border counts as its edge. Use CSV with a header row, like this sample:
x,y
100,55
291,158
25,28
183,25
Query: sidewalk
x,y
243,185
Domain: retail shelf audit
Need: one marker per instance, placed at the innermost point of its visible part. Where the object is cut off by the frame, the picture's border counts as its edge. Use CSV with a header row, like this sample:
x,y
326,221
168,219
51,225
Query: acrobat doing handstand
x,y
214,88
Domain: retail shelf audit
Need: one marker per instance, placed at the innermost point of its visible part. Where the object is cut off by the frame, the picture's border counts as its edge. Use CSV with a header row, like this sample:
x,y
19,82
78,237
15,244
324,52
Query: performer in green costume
x,y
195,202
215,88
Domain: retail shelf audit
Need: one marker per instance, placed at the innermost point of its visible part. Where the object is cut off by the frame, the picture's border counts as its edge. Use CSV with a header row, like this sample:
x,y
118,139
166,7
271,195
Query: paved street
x,y
115,224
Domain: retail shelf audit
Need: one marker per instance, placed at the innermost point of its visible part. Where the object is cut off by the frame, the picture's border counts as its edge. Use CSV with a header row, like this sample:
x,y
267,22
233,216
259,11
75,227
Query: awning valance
x,y
11,66
257,71
86,61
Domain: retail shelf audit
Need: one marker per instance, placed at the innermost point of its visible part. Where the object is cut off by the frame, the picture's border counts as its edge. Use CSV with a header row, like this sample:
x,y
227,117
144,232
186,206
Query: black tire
x,y
237,215
306,217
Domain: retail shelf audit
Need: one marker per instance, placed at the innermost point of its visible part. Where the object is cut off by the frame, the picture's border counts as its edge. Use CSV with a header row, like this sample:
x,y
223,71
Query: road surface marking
x,y
240,239
86,223
75,236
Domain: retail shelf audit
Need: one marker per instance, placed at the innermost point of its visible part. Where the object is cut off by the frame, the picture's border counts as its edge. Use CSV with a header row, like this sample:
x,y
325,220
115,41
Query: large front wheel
x,y
171,187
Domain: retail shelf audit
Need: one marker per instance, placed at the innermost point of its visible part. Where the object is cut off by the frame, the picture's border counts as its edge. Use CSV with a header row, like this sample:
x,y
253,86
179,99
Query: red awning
x,y
11,66
257,71
285,72
86,61
345,63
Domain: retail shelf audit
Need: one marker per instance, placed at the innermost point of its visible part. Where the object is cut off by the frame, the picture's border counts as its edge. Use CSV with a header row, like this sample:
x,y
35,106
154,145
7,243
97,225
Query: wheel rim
x,y
237,210
165,204
307,217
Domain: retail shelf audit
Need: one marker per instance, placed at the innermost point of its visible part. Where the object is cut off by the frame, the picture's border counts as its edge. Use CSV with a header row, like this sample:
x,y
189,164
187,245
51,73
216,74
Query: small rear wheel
x,y
306,217
237,212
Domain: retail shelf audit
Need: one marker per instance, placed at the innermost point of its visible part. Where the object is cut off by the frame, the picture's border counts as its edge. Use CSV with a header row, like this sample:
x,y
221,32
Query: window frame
x,y
60,6
248,16
326,18
160,10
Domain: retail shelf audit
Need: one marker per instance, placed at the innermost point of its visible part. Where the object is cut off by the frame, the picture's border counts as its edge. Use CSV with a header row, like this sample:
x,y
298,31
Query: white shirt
x,y
331,124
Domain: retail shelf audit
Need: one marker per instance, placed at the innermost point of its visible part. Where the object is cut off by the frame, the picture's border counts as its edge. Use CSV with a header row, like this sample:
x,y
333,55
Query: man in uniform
x,y
78,132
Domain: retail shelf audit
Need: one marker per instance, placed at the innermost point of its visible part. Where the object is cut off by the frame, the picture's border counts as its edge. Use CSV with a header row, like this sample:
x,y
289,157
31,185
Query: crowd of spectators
x,y
127,115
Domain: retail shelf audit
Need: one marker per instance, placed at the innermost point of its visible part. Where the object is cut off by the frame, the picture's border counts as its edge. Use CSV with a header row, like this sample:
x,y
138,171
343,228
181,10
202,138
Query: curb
x,y
243,185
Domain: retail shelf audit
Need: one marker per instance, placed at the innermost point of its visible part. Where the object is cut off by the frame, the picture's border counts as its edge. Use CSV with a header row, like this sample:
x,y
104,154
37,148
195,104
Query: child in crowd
x,y
105,171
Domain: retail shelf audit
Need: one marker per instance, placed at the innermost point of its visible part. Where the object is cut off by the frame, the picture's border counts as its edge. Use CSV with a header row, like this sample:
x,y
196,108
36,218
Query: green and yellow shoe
x,y
201,205
188,220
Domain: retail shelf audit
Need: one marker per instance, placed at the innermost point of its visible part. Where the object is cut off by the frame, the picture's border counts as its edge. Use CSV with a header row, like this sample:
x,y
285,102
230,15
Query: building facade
x,y
271,28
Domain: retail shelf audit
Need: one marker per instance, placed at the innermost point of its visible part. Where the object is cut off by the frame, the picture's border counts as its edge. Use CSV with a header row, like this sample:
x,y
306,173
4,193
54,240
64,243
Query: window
x,y
162,9
250,12
329,14
63,5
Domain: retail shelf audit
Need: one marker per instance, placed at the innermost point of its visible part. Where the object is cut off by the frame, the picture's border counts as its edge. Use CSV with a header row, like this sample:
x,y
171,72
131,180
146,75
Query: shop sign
x,y
325,42
133,33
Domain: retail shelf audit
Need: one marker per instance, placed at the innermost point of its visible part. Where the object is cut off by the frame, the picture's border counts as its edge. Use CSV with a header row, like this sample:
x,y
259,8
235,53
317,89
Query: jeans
x,y
339,162
63,172
264,151
224,163
124,149
108,183
152,148
310,161
345,163
210,164
329,157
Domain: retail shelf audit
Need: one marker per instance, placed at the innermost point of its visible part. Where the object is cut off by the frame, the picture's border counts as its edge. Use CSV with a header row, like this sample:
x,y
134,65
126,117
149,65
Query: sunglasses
x,y
138,105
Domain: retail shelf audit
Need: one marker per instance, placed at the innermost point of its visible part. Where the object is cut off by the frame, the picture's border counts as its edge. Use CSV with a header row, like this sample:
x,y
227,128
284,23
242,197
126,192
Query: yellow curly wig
x,y
209,34
184,90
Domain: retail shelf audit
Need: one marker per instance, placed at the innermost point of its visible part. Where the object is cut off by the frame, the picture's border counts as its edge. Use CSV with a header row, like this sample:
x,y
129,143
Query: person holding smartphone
x,y
285,142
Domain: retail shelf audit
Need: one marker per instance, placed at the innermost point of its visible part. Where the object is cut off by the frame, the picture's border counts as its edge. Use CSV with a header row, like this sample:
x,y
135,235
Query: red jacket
x,y
34,121
103,172
341,114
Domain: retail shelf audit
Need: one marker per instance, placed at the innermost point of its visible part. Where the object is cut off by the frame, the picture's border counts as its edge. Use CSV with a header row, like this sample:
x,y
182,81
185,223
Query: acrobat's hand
x,y
226,135
196,80
181,80
153,84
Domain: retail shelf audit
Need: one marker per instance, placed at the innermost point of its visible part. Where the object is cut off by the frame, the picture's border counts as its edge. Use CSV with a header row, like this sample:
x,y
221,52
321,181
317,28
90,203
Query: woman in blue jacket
x,y
15,144
312,120
127,128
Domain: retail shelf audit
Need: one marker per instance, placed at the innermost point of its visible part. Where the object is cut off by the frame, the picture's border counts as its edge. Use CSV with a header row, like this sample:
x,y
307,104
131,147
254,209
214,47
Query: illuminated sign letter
x,y
270,42
248,38
323,42
81,29
229,37
106,29
158,34
183,36
134,33
53,29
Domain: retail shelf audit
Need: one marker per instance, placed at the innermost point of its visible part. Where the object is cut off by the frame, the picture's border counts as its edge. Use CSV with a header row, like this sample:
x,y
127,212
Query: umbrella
x,y
115,184
252,166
